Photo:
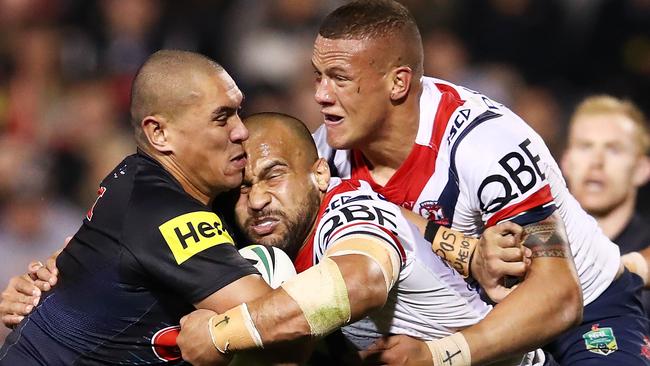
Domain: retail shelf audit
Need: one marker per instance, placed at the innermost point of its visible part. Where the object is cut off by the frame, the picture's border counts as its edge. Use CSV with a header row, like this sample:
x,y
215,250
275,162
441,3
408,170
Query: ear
x,y
155,128
642,171
401,82
321,173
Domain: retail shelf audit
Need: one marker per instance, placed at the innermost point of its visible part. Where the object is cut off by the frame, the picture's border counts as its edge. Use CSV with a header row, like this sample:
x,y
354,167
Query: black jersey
x,y
145,253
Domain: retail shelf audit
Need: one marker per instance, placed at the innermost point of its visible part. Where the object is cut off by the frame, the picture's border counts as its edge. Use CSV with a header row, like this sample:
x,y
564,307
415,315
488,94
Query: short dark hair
x,y
296,126
377,19
368,19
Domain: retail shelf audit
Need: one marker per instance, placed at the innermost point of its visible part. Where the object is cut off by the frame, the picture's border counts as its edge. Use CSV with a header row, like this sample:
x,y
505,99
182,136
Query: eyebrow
x,y
229,109
329,70
269,165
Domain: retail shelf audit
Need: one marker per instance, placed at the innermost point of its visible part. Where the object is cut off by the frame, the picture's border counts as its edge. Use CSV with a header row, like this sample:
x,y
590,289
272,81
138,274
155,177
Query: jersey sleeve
x,y
183,245
503,165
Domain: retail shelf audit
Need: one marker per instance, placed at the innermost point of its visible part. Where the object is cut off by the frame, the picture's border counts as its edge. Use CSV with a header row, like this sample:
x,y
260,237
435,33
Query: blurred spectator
x,y
606,161
35,84
274,39
541,110
33,223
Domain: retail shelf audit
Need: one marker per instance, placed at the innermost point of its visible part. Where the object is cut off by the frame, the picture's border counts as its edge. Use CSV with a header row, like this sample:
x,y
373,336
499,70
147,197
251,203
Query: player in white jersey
x,y
473,164
382,261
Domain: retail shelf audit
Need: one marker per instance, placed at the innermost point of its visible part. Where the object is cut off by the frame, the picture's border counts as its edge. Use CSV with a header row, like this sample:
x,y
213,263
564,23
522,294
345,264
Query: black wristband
x,y
431,231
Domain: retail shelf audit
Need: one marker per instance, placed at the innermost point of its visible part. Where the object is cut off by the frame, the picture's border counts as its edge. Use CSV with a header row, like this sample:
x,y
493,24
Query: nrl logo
x,y
433,211
600,340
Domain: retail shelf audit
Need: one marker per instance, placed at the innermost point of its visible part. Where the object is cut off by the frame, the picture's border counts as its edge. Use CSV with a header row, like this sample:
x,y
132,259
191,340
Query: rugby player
x,y
139,261
465,161
360,262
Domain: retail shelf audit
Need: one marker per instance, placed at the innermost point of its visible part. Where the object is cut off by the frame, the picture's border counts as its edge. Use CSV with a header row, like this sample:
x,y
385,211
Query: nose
x,y
239,132
258,198
597,158
324,95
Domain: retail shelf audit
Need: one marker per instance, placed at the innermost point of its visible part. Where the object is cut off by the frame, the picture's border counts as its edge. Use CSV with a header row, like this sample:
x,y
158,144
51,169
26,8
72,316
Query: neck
x,y
394,141
168,162
613,222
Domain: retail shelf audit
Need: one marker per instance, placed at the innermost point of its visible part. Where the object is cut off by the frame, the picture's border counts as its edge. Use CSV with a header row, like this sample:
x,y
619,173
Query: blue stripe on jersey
x,y
535,215
449,196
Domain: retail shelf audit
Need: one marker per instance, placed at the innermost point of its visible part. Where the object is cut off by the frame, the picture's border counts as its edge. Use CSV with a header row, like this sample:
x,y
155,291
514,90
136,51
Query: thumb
x,y
183,320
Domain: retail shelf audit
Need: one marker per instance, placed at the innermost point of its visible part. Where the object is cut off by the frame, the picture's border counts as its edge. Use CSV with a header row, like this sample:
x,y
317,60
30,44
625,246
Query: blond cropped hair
x,y
607,104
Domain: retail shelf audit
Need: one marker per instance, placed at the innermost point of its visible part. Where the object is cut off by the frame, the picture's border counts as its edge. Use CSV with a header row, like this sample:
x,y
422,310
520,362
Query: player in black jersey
x,y
150,249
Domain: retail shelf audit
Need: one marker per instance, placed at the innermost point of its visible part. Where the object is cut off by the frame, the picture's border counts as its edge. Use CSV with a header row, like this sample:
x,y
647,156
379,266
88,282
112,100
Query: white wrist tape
x,y
322,296
374,248
450,350
234,330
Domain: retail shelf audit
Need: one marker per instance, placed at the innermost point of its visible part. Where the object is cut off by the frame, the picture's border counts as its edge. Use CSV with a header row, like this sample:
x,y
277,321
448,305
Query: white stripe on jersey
x,y
488,165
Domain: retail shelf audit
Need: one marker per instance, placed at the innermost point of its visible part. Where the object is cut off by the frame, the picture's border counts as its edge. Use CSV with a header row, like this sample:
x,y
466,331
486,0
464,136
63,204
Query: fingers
x,y
25,286
50,264
42,275
511,255
11,320
497,294
514,269
183,319
508,227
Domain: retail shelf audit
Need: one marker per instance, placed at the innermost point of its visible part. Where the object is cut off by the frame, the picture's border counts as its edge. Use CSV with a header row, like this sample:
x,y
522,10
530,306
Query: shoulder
x,y
353,208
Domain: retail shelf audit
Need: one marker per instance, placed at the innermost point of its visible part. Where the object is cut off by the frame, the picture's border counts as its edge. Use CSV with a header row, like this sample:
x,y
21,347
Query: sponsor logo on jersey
x,y
433,211
600,340
357,212
523,174
164,346
192,233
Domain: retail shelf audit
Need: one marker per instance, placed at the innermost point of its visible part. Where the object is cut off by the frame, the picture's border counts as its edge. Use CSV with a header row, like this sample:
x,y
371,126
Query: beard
x,y
297,226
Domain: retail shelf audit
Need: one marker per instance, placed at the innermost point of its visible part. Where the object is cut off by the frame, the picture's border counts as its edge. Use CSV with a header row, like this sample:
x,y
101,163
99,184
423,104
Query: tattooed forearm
x,y
547,239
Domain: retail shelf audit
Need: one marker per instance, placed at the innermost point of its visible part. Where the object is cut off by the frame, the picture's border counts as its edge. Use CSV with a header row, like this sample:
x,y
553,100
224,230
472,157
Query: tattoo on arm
x,y
547,239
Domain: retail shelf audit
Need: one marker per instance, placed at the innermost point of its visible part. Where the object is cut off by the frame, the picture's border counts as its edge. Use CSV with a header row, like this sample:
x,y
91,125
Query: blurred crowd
x,y
66,68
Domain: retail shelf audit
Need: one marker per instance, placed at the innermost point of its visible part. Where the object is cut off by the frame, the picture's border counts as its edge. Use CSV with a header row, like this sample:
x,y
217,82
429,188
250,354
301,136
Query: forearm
x,y
325,297
545,304
312,307
531,316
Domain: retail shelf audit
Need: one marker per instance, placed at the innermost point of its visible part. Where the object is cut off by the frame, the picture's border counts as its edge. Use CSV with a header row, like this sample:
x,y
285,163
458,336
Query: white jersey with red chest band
x,y
475,163
430,300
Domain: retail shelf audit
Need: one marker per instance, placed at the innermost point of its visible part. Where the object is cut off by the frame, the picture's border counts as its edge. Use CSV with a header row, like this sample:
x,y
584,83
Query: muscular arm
x,y
545,304
278,317
345,286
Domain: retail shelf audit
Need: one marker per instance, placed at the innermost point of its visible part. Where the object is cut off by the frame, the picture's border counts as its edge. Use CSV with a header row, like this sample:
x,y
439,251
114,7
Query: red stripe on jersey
x,y
407,183
539,198
305,258
398,245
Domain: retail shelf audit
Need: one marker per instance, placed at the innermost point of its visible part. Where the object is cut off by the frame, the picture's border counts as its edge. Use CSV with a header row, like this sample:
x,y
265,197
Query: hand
x,y
18,300
195,341
397,350
46,275
498,254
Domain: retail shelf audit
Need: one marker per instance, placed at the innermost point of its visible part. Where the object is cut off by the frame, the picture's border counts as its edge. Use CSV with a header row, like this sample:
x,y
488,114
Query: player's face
x,y
352,89
601,161
208,135
278,199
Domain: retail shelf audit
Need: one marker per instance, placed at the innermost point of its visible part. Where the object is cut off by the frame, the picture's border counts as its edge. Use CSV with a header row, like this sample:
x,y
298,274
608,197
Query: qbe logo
x,y
194,232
